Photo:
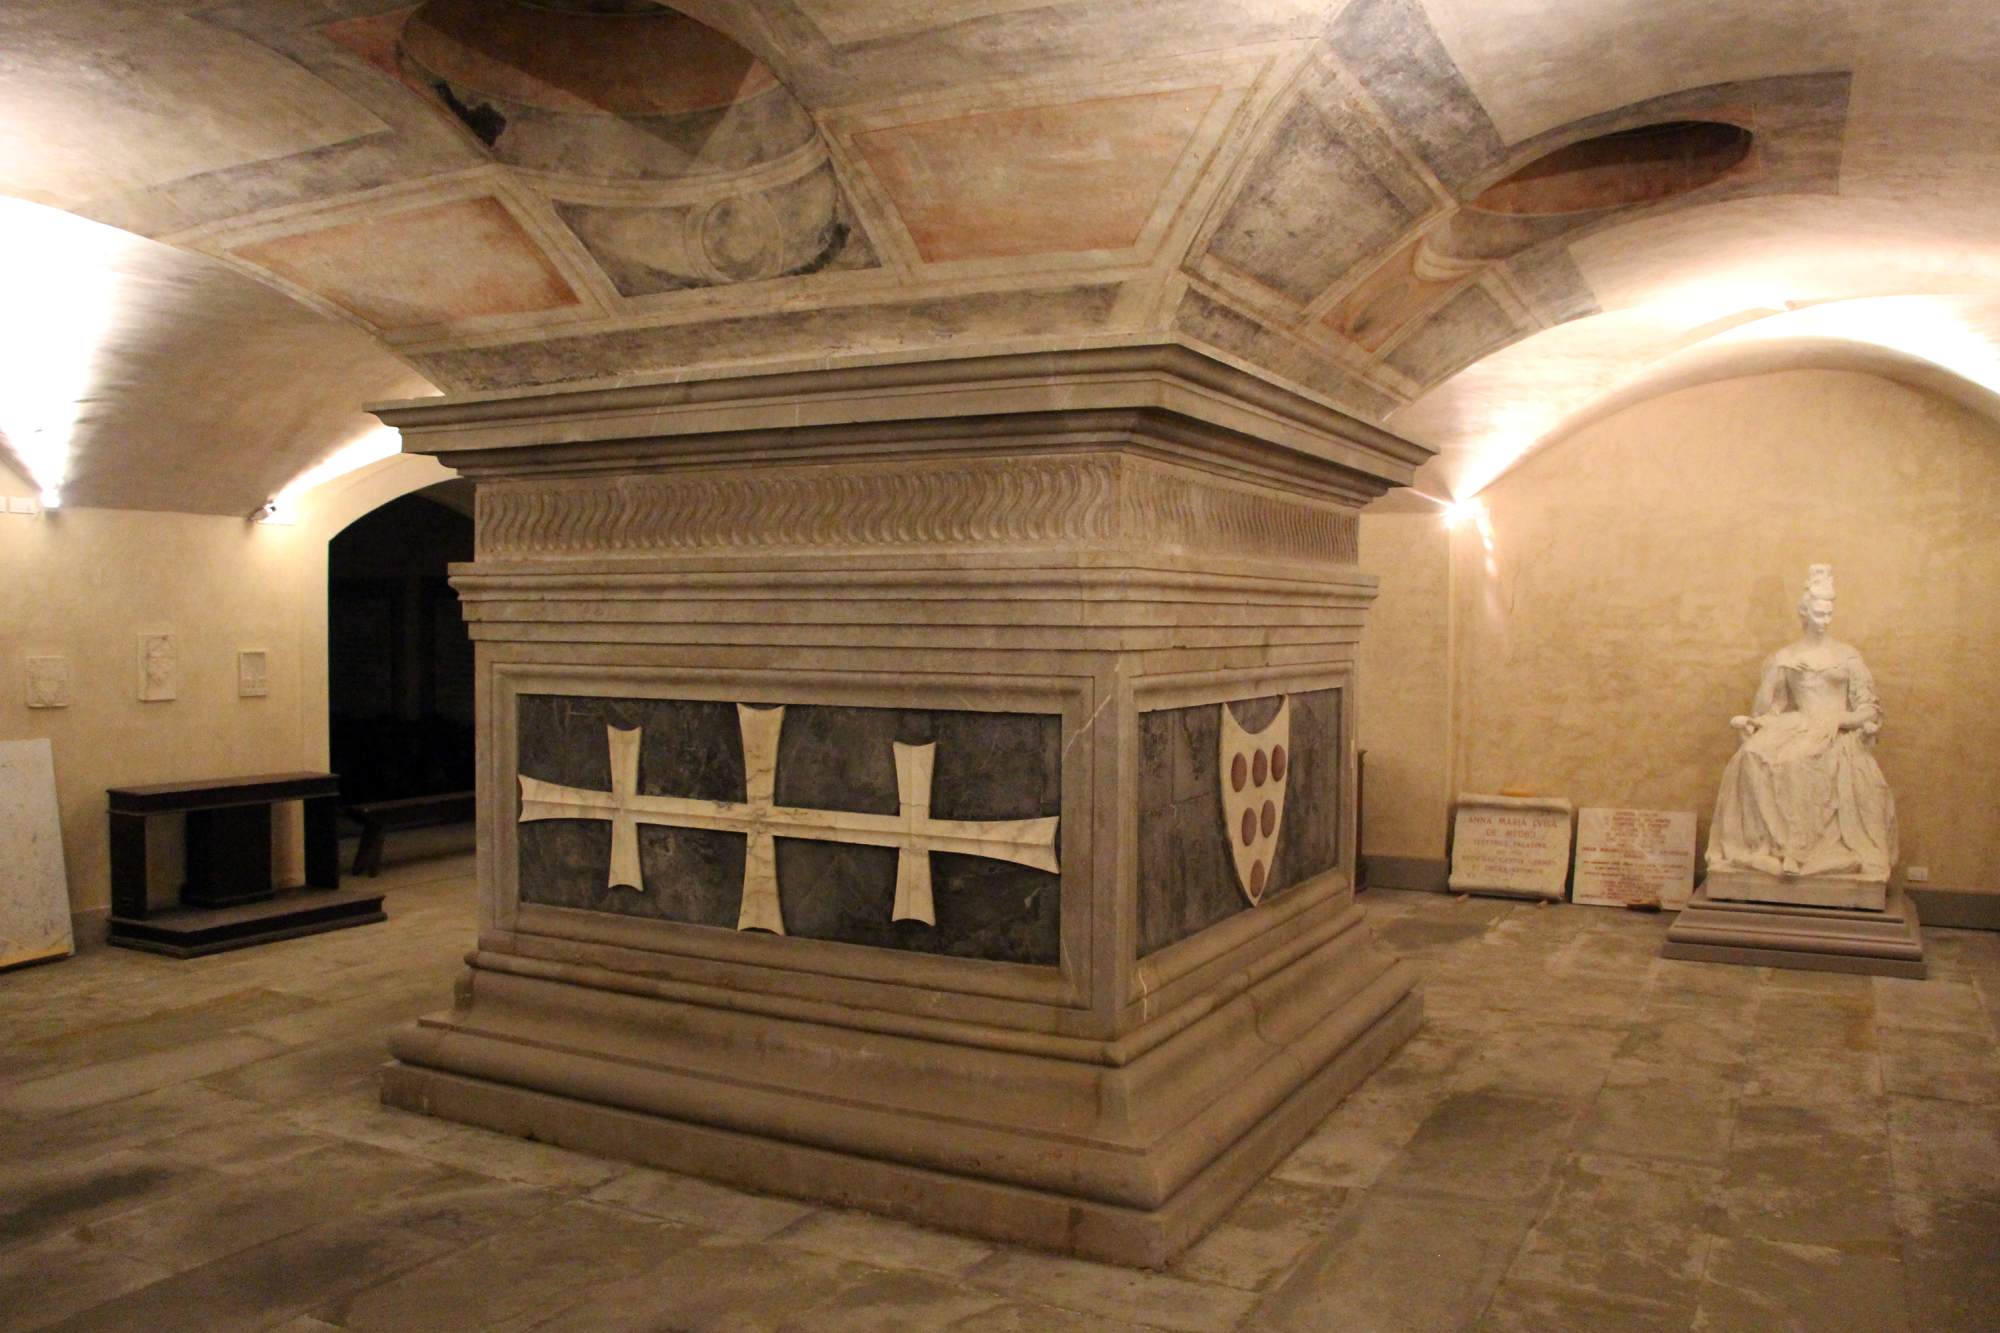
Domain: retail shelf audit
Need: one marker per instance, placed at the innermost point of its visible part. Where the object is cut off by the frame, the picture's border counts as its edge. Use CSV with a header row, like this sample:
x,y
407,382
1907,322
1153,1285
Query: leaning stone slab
x,y
1634,858
1512,846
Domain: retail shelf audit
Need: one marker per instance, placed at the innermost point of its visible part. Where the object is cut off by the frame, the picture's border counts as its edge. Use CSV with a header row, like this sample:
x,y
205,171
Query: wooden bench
x,y
377,818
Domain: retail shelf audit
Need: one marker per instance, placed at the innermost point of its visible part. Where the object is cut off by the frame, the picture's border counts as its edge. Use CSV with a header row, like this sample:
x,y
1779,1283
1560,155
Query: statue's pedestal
x,y
1887,943
1843,891
923,787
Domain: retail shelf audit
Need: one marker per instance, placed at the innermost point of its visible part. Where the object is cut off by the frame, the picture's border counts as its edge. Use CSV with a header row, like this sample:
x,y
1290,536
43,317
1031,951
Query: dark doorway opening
x,y
399,659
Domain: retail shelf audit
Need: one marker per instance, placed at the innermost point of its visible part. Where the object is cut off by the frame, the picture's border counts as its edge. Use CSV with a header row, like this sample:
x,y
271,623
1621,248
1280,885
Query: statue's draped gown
x,y
1800,796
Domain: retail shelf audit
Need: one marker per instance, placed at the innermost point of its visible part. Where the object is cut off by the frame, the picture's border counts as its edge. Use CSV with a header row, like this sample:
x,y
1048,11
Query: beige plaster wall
x,y
1642,570
85,584
1404,697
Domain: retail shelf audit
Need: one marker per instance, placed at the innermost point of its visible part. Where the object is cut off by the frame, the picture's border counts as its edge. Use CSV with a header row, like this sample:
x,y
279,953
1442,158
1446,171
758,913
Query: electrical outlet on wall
x,y
1917,874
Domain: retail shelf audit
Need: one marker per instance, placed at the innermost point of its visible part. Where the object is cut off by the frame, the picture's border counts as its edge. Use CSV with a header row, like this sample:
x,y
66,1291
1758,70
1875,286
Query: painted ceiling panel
x,y
123,97
513,193
1078,176
1535,65
385,270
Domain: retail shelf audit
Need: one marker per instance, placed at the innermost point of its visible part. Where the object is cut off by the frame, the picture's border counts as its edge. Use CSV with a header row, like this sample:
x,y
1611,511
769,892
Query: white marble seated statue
x,y
1802,795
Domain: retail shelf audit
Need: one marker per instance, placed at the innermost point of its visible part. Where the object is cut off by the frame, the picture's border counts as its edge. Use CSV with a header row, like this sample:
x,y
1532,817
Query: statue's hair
x,y
1819,586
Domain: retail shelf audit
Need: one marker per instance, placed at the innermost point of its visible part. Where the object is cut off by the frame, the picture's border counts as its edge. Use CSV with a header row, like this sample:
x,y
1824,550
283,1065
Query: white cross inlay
x,y
911,831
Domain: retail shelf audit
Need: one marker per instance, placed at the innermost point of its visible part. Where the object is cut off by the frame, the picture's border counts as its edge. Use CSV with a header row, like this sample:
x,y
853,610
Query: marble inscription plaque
x,y
683,826
34,888
1626,857
1513,846
48,682
1189,877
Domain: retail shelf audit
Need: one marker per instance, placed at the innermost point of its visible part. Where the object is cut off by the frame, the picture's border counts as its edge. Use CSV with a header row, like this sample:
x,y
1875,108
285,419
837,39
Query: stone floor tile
x,y
239,1146
1426,1061
460,1207
898,1300
1513,989
164,1030
1484,1145
1787,1020
883,1242
1669,1036
1622,1227
1551,1061
372,1012
1262,1236
1362,1135
1719,988
1951,1065
1418,1262
63,1275
1762,1286
517,1275
1811,981
702,1203
43,1198
357,1113
1644,1112
1625,955
303,1073
266,1284
1033,1317
504,1157
1823,1075
716,1285
115,1080
1809,1174
1945,1149
1951,1264
1535,1307
1111,1292
1936,1005
136,1122
214,1217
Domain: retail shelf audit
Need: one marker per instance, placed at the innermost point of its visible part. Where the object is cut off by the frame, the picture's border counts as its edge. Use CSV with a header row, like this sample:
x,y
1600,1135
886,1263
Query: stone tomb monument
x,y
1510,846
1804,835
926,787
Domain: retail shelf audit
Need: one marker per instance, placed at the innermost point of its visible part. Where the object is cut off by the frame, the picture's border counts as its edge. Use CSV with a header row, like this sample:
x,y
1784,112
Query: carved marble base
x,y
1844,891
1121,1151
1888,943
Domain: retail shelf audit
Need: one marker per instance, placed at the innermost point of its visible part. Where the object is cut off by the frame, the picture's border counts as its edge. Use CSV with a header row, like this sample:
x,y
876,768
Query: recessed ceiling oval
x,y
582,57
1635,166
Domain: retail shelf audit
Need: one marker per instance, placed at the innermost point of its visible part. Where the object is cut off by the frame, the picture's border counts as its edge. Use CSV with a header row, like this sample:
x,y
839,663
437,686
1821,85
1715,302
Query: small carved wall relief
x,y
253,674
48,682
159,668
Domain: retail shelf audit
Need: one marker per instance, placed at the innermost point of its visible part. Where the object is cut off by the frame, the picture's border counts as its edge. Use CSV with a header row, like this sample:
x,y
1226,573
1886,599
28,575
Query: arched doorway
x,y
399,659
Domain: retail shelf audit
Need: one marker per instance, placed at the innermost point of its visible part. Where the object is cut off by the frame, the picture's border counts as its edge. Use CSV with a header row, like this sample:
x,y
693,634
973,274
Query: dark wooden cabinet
x,y
228,899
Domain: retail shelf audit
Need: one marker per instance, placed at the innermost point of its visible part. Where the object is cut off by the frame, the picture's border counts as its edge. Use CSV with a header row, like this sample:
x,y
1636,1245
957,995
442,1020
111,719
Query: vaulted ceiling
x,y
355,199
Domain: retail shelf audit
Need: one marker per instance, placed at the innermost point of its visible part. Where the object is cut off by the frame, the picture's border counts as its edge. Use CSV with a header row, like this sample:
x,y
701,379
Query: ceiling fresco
x,y
1391,203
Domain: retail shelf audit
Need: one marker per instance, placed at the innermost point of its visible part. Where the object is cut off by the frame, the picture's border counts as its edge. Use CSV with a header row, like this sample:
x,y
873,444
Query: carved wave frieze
x,y
1010,502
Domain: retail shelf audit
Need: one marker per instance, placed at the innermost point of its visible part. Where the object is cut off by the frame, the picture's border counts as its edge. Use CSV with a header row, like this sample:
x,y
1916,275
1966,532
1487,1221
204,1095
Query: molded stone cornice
x,y
1170,399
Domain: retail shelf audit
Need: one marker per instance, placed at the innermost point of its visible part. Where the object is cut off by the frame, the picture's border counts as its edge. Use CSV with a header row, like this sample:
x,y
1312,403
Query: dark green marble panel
x,y
1187,882
986,766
